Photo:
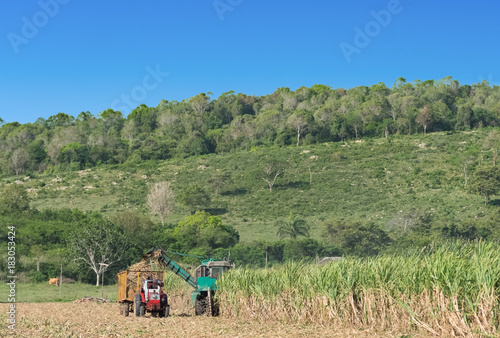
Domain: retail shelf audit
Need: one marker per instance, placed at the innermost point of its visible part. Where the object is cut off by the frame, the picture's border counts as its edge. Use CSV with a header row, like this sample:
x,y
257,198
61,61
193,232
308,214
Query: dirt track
x,y
103,320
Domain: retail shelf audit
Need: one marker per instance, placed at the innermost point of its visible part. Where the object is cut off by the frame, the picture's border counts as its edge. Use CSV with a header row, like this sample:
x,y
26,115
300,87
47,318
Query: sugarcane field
x,y
346,297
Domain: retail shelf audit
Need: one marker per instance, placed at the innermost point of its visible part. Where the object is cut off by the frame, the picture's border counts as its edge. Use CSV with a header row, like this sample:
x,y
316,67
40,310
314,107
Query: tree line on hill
x,y
201,125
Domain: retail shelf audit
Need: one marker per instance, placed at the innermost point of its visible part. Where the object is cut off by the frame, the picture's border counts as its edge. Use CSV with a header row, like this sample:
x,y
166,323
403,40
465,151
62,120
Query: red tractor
x,y
151,298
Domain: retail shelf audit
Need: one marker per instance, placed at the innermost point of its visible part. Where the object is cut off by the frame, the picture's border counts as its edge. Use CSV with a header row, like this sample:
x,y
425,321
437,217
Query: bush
x,y
203,230
302,249
356,238
38,277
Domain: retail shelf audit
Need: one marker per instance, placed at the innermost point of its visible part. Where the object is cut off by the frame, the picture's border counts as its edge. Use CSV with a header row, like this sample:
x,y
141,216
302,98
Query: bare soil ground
x,y
104,320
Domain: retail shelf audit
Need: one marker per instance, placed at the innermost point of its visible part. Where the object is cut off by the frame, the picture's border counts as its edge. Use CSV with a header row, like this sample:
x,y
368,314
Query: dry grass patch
x,y
104,320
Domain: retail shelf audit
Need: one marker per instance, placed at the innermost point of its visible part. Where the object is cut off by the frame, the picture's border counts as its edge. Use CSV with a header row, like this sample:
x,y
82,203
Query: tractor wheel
x,y
165,312
166,309
215,308
142,310
200,306
137,304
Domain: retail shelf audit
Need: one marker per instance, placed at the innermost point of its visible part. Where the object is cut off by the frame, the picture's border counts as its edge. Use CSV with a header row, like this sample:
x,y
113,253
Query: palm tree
x,y
292,228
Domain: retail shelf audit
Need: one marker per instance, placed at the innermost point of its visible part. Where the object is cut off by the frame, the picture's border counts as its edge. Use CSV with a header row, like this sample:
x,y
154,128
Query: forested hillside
x,y
202,125
291,175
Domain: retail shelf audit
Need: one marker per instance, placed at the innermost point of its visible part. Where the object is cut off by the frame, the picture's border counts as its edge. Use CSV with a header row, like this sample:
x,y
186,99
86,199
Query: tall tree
x,y
353,119
299,121
270,173
200,102
292,227
486,181
18,160
492,141
194,197
111,122
129,130
39,255
137,227
98,244
145,119
424,117
289,100
161,200
60,120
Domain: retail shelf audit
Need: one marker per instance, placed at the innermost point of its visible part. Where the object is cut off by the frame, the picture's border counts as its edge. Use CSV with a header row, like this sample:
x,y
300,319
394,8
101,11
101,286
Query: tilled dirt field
x,y
104,320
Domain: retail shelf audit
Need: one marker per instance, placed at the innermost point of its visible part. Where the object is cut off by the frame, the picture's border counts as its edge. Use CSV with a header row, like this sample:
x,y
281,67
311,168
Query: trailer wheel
x,y
137,305
124,309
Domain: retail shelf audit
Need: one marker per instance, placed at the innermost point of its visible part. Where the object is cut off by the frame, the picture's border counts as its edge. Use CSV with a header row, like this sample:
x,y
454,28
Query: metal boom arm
x,y
175,268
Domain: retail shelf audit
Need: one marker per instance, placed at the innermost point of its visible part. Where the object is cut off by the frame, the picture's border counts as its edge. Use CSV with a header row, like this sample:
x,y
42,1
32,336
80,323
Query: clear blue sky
x,y
89,55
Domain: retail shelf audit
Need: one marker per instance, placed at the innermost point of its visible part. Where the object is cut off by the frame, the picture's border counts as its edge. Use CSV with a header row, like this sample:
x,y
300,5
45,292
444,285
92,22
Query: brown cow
x,y
54,281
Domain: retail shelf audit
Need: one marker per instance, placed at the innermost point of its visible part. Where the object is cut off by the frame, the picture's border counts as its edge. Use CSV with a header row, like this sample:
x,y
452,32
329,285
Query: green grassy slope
x,y
375,179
